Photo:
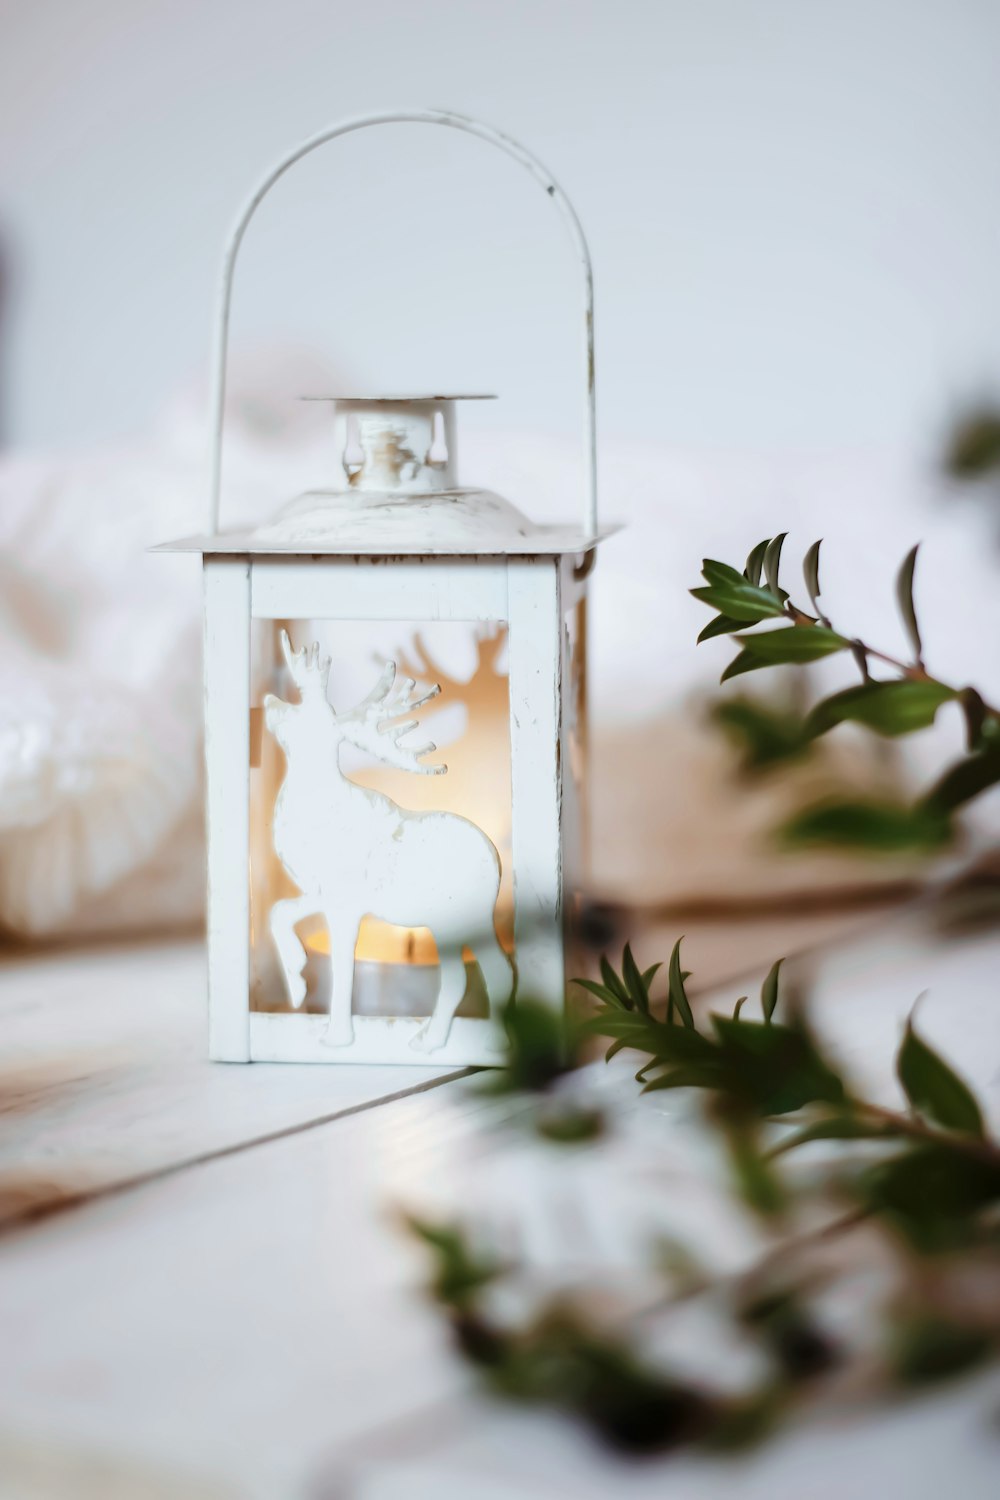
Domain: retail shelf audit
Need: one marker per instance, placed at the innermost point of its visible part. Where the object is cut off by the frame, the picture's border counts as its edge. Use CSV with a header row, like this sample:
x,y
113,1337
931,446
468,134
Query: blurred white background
x,y
791,204
795,231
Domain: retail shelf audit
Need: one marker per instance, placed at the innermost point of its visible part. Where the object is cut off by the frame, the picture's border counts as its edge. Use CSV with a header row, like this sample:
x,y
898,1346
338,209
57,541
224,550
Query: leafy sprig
x,y
924,1180
890,706
758,1071
930,1192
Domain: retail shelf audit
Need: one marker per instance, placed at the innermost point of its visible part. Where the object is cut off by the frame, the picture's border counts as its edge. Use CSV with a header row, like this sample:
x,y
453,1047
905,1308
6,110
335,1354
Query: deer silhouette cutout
x,y
353,852
478,784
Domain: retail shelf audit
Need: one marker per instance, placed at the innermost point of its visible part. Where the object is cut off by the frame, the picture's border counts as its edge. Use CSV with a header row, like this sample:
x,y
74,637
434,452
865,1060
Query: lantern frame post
x,y
537,767
227,762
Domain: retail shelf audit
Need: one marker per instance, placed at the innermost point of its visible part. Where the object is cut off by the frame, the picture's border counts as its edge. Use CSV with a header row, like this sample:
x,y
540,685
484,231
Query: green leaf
x,y
600,990
648,975
963,781
772,562
837,1128
678,994
782,1321
663,1043
933,1089
974,711
756,1179
755,562
689,1076
738,1007
620,1024
933,1194
460,1273
722,625
794,643
744,662
880,827
541,1046
974,449
568,1125
927,1349
810,572
774,1068
681,1044
769,991
904,597
633,981
890,708
764,736
720,573
614,984
742,600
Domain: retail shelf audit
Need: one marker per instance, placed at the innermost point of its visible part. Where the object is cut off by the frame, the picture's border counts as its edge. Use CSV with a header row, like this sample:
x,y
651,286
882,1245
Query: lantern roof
x,y
398,496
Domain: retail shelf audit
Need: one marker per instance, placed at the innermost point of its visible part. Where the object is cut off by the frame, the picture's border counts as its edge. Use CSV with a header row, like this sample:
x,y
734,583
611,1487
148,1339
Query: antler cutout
x,y
310,671
372,725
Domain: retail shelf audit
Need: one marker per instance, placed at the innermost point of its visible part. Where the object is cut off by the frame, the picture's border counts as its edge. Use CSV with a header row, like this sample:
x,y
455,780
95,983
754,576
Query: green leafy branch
x,y
944,1170
892,706
930,1192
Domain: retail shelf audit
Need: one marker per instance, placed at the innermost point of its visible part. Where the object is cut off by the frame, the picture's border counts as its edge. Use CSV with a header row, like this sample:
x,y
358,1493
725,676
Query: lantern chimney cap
x,y
396,445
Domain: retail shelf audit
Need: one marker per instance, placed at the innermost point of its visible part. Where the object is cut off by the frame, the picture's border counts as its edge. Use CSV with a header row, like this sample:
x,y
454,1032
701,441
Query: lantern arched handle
x,y
470,126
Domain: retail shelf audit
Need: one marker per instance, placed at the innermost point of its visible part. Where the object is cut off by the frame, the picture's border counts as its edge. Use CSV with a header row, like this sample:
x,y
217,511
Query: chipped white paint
x,y
395,440
397,499
353,852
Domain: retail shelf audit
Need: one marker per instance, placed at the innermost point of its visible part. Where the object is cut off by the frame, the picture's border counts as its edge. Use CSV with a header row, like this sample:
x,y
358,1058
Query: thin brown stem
x,y
741,1282
911,671
917,1129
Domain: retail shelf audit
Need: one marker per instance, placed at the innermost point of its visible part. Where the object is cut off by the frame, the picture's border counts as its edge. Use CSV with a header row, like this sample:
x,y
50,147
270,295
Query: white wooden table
x,y
203,1291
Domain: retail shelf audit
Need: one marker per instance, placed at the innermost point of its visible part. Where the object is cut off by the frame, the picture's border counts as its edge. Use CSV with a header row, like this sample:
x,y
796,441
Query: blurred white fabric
x,y
100,714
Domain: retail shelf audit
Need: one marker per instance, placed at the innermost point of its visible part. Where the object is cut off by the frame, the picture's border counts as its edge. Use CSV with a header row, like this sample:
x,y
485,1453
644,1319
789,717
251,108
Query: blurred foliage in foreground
x,y
896,1209
913,1194
973,450
903,698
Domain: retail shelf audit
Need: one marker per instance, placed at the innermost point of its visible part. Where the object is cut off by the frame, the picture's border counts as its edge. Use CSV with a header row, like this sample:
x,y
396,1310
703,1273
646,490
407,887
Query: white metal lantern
x,y
364,906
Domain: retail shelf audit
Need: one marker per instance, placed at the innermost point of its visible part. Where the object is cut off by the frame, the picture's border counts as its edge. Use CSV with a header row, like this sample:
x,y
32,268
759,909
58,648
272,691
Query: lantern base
x,y
377,1039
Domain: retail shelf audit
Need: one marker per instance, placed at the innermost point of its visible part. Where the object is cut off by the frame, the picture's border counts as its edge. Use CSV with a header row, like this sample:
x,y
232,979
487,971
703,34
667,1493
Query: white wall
x,y
792,205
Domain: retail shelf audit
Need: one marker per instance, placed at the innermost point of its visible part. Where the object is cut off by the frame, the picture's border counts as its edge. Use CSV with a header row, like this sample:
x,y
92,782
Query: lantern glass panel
x,y
397,965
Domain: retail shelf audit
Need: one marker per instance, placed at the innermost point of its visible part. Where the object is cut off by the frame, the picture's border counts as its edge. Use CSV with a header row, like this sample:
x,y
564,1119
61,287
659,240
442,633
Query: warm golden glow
x,y
379,942
382,943
478,787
